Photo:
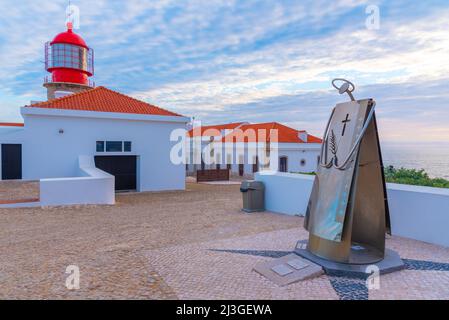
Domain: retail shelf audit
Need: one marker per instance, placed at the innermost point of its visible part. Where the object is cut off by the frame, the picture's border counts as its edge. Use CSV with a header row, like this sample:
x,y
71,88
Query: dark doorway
x,y
241,169
256,165
283,167
124,168
11,161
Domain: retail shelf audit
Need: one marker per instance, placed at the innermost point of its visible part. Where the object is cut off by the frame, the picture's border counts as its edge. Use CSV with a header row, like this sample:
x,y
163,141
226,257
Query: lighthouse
x,y
70,62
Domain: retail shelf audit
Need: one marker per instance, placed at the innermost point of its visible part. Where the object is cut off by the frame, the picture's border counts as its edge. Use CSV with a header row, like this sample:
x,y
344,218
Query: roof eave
x,y
36,111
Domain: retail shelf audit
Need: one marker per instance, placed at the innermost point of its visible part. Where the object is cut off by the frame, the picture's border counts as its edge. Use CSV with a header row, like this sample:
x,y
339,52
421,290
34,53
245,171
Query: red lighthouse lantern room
x,y
70,62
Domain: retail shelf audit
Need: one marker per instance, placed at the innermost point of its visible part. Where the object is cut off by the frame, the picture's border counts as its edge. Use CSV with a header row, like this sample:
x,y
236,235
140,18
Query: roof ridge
x,y
140,101
99,94
286,134
212,126
224,124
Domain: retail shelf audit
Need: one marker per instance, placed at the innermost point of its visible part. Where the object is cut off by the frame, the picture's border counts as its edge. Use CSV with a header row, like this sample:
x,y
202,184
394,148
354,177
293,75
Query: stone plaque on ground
x,y
288,269
298,264
282,269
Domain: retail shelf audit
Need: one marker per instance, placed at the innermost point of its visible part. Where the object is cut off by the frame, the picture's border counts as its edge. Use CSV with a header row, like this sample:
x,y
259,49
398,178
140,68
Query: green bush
x,y
413,177
409,176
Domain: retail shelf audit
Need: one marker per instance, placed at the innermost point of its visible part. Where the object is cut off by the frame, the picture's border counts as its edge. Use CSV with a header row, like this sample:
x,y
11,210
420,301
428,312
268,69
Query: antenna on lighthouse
x,y
72,16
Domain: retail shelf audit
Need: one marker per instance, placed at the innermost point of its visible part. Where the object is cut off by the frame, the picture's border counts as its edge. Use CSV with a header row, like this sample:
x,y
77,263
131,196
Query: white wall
x,y
295,152
285,192
420,213
49,154
93,186
416,212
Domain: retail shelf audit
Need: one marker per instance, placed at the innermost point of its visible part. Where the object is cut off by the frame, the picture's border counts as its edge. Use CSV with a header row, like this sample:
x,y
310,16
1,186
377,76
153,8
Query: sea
x,y
432,157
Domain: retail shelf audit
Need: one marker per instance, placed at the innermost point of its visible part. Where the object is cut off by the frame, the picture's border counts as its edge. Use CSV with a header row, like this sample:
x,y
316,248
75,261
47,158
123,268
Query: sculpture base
x,y
344,251
391,263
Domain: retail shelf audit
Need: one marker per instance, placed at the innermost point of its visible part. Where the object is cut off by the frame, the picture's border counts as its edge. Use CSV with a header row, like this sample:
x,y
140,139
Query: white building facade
x,y
246,148
87,142
133,145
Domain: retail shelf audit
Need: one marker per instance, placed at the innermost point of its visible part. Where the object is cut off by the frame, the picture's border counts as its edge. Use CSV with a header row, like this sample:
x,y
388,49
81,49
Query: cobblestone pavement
x,y
108,242
182,245
223,270
13,190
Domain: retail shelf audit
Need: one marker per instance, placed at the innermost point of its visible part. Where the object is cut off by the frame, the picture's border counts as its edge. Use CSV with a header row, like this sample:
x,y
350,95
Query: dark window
x,y
229,166
114,146
100,146
303,162
241,169
127,146
283,164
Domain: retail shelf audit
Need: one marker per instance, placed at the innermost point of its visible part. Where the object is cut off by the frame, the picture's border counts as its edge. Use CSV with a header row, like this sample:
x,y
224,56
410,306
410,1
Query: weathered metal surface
x,y
347,216
332,188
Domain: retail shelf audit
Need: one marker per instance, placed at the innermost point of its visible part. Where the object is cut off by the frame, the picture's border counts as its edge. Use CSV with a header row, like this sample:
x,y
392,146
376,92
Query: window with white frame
x,y
113,146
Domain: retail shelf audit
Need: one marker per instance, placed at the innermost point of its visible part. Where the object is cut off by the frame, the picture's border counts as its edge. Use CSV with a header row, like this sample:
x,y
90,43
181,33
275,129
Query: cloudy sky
x,y
258,61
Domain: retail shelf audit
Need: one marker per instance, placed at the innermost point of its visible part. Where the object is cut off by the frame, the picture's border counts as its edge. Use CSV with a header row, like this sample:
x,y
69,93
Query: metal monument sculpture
x,y
348,215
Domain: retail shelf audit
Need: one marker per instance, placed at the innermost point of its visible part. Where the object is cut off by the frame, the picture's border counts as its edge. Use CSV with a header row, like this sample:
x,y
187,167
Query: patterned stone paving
x,y
182,245
425,265
108,242
223,270
350,288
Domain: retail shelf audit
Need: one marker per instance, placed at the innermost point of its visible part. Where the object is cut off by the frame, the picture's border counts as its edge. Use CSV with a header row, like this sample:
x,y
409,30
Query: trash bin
x,y
253,193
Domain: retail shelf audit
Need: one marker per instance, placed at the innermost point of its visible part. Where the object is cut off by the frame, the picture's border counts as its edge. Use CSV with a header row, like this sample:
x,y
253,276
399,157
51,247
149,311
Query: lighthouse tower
x,y
70,62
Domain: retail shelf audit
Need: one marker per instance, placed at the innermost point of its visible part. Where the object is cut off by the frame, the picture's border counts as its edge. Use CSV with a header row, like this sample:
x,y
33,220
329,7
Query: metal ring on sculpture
x,y
342,89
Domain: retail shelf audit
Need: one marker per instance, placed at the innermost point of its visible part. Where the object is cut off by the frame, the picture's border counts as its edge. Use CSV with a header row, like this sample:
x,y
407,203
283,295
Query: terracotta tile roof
x,y
285,134
101,99
11,124
219,127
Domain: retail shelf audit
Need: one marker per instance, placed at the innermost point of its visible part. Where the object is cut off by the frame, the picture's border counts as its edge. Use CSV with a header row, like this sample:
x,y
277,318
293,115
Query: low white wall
x,y
416,212
94,186
286,192
420,213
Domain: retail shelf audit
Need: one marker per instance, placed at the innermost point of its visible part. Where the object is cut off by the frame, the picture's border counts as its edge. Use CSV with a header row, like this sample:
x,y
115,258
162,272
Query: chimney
x,y
61,94
302,135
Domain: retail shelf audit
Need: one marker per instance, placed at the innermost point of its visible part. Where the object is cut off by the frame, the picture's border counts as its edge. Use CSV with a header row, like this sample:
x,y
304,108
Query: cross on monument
x,y
345,122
